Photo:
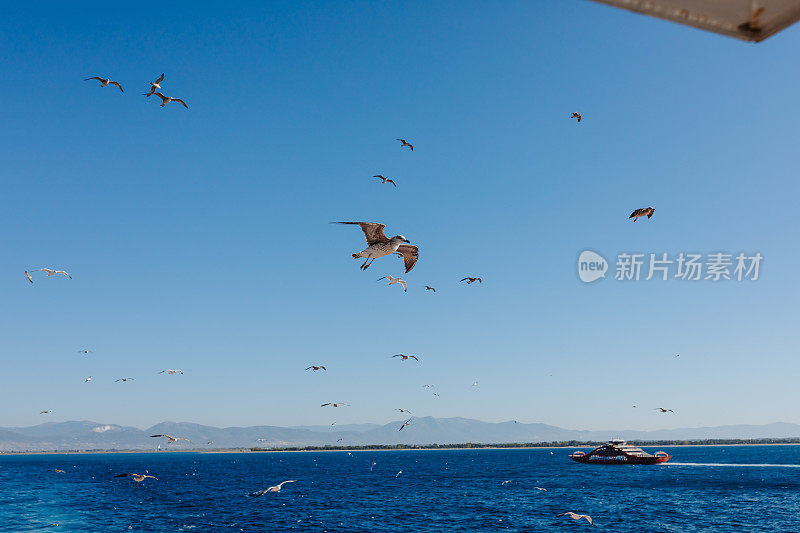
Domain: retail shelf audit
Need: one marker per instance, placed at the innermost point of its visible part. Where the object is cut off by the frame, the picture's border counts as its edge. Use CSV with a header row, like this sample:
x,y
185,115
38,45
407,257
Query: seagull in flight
x,y
124,379
372,465
576,516
663,410
576,115
385,179
52,272
138,478
643,212
105,81
28,276
429,288
315,368
87,379
405,143
403,410
44,412
57,471
339,439
171,439
176,371
393,280
155,84
405,424
379,245
167,99
474,383
428,386
398,474
85,352
470,281
405,357
505,482
540,488
333,404
274,488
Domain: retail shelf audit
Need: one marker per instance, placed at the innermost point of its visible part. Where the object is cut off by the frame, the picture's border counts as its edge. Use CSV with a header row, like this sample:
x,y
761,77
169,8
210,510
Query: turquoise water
x,y
736,488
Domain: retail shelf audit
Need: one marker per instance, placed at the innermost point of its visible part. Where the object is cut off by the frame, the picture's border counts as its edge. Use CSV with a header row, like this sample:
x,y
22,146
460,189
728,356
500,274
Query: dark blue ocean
x,y
736,488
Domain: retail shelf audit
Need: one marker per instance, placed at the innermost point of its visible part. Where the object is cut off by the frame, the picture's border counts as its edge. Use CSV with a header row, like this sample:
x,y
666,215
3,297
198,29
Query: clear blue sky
x,y
199,239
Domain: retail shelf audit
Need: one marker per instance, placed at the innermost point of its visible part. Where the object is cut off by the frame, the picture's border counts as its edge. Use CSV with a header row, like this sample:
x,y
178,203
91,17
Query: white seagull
x,y
167,99
171,372
274,488
105,81
87,379
379,245
171,439
155,84
50,272
393,280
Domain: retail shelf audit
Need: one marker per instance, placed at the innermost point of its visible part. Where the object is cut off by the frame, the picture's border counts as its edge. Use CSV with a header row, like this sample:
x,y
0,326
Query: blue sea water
x,y
735,488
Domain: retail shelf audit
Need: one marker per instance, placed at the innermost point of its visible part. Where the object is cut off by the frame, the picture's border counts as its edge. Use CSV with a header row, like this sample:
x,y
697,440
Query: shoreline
x,y
362,449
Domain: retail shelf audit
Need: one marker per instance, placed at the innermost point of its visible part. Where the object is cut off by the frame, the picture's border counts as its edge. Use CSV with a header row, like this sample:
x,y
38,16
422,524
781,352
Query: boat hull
x,y
621,459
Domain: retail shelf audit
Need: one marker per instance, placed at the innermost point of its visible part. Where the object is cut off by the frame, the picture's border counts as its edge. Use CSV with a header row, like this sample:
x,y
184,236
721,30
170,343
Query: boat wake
x,y
762,465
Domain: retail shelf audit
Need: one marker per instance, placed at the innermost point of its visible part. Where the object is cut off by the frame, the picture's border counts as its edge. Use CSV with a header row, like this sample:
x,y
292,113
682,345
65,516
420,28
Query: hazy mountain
x,y
86,435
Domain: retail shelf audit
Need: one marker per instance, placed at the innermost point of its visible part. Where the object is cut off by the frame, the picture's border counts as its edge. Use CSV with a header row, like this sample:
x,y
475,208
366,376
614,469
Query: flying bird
x,y
87,379
428,386
333,404
385,179
44,412
210,442
436,394
405,143
85,352
405,424
404,357
506,482
138,478
393,280
57,471
52,272
176,371
171,439
470,281
105,81
576,115
474,384
372,466
403,410
398,474
429,288
28,276
167,99
315,368
379,245
124,379
155,84
339,439
663,410
275,488
576,516
643,212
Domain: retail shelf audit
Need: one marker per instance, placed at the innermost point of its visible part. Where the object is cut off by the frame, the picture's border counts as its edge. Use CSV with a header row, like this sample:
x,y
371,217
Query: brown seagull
x,y
576,115
405,143
643,212
379,245
315,368
28,276
404,357
155,84
576,516
138,478
470,281
167,99
663,410
105,81
429,288
385,180
333,404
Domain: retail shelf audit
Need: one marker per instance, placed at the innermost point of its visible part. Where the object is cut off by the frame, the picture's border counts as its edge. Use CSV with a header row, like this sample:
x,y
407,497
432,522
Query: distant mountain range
x,y
85,435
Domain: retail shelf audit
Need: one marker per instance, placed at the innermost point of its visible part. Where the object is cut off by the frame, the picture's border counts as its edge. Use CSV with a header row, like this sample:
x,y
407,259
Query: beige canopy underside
x,y
751,20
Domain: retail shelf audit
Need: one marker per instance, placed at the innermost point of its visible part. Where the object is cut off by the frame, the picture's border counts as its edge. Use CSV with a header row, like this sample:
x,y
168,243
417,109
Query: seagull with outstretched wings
x,y
643,212
379,245
105,81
